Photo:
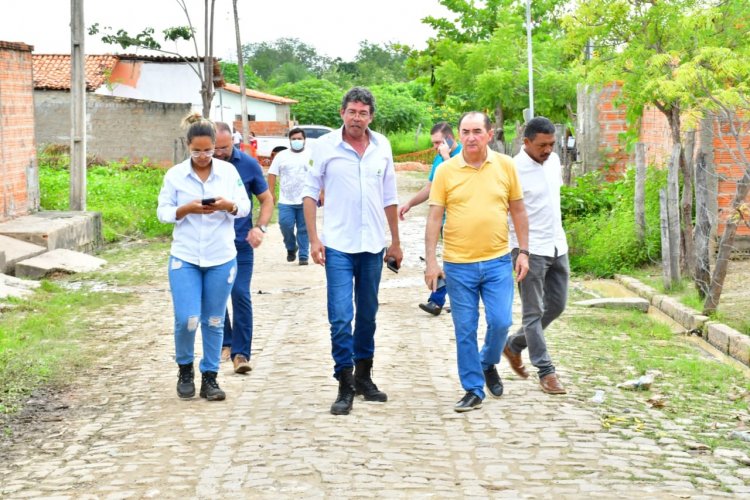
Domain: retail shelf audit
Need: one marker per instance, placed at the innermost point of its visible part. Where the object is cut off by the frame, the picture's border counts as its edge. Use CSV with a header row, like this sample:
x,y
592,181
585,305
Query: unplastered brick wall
x,y
19,187
118,128
263,128
613,124
729,170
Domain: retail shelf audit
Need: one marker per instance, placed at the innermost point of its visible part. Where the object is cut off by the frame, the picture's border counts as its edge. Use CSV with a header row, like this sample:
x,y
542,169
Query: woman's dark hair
x,y
197,126
359,94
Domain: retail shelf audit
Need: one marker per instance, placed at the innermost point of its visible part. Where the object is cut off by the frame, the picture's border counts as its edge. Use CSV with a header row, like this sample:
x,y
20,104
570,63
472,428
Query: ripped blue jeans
x,y
199,296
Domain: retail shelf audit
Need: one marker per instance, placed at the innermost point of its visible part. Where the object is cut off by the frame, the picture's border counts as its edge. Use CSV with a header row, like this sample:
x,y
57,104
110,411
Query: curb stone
x,y
726,339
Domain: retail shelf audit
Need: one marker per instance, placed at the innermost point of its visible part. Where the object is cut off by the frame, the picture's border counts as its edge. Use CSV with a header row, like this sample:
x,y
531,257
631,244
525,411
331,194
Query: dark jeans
x,y
238,334
544,293
354,275
438,296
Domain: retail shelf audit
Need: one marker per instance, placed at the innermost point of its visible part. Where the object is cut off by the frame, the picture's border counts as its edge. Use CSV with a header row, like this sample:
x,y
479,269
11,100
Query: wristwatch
x,y
263,228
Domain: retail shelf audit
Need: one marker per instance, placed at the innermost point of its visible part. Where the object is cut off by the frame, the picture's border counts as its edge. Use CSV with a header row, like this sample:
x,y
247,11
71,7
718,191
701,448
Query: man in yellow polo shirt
x,y
477,189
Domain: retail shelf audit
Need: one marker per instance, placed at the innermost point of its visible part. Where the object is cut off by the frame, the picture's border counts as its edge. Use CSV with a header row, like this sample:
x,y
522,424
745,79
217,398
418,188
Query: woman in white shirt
x,y
201,196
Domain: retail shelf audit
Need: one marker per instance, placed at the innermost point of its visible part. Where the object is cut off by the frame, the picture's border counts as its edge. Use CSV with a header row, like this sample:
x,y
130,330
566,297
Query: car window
x,y
314,133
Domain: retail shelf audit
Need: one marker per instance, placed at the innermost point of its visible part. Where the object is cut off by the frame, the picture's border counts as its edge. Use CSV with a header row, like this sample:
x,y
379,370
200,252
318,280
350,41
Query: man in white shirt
x,y
544,292
354,166
292,165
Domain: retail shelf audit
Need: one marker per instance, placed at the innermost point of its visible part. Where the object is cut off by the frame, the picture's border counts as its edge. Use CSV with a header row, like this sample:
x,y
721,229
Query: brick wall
x,y
612,123
117,127
729,170
264,128
19,185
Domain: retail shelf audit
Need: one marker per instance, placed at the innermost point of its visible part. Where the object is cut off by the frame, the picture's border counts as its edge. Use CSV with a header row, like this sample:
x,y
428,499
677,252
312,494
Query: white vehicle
x,y
267,143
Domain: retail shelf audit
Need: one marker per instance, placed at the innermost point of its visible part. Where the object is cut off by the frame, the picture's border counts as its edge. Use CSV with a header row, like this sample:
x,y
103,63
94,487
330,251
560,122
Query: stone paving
x,y
124,433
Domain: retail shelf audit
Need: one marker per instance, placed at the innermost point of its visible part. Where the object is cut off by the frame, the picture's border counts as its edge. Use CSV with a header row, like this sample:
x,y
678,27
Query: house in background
x,y
268,114
19,178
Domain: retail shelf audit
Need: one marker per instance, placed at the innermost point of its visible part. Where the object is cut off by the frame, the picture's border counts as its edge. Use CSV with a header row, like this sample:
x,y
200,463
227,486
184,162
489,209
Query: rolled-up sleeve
x,y
314,177
167,208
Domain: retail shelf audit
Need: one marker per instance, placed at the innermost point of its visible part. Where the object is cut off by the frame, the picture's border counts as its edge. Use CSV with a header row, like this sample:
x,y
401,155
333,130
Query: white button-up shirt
x,y
202,239
541,195
356,191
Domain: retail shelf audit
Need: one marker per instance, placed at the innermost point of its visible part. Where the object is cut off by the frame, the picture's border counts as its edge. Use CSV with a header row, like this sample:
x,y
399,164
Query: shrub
x,y
600,223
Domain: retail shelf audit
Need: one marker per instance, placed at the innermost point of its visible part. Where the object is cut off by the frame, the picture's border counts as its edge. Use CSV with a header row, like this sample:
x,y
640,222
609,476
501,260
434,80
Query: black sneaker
x,y
493,381
431,308
210,388
291,255
302,262
469,402
185,385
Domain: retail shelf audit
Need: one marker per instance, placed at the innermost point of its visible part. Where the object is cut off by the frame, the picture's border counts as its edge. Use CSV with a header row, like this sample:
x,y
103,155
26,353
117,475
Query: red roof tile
x,y
259,95
20,46
52,71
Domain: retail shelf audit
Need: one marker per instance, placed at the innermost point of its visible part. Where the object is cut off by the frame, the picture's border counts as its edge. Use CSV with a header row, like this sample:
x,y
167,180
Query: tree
x,y
145,40
396,109
319,101
266,57
231,74
717,83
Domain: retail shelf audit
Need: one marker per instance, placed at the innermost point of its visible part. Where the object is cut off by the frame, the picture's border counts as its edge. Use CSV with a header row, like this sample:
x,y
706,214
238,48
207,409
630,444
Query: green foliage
x,y
319,101
590,196
603,242
397,110
407,141
125,195
231,74
267,57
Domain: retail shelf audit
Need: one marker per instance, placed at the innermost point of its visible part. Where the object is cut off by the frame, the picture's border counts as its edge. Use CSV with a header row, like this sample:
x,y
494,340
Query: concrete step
x,y
60,260
79,231
15,251
15,287
636,303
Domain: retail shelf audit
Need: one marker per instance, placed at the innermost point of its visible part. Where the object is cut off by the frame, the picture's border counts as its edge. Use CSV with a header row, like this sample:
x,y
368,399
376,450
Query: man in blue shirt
x,y
238,334
446,146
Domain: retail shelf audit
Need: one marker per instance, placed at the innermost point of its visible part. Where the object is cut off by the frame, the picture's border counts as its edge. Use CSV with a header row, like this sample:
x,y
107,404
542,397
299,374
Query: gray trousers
x,y
544,292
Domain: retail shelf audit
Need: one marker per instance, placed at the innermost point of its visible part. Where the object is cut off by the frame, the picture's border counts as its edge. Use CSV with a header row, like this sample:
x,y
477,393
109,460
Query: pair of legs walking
x,y
492,281
353,276
238,333
544,293
199,297
291,216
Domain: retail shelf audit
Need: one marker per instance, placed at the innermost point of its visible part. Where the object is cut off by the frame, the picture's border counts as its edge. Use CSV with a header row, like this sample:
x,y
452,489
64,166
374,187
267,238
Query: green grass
x,y
404,142
626,344
42,339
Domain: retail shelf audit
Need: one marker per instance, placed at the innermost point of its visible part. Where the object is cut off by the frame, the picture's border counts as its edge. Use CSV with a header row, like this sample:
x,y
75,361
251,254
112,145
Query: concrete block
x,y
17,250
656,300
15,287
718,335
2,261
739,347
635,303
636,286
79,231
60,260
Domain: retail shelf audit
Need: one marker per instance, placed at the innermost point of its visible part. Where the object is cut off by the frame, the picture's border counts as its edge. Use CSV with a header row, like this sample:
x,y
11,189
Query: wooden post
x,y
639,202
241,69
673,202
666,266
77,200
686,205
703,223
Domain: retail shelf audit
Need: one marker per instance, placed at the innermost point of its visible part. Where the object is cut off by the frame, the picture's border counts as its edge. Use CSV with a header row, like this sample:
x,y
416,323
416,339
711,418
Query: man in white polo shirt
x,y
544,292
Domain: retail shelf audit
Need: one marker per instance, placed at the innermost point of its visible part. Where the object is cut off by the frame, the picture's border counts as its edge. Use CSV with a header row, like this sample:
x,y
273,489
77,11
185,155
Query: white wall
x,y
264,111
163,82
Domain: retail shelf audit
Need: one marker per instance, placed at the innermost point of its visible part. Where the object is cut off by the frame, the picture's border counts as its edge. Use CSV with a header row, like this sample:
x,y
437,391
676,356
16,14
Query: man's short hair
x,y
359,94
278,149
442,127
222,127
297,130
538,125
487,122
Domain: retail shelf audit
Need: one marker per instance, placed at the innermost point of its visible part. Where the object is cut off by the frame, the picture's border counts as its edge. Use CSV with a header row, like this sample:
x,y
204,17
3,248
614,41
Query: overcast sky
x,y
333,27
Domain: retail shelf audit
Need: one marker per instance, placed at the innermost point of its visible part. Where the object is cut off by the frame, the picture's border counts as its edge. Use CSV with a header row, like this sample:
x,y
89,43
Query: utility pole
x,y
241,70
531,65
77,108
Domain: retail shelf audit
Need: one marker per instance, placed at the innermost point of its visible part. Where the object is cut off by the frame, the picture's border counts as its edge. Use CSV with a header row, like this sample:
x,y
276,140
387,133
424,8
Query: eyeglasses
x,y
198,154
362,114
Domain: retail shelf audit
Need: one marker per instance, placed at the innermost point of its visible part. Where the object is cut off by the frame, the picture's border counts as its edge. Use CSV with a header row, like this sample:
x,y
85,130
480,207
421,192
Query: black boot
x,y
363,384
210,387
185,385
343,404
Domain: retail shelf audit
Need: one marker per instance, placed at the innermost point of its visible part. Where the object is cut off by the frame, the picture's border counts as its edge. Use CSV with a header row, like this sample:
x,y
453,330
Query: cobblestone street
x,y
125,434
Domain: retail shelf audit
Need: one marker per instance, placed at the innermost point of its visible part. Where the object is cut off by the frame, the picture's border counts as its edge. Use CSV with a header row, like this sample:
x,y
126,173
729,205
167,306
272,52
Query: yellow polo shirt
x,y
476,203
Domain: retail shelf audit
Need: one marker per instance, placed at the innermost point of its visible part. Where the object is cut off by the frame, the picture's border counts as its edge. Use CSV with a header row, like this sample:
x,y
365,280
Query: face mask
x,y
297,144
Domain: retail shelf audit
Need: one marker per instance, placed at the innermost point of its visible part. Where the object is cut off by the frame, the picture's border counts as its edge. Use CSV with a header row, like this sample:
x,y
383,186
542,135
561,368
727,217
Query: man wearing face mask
x,y
291,165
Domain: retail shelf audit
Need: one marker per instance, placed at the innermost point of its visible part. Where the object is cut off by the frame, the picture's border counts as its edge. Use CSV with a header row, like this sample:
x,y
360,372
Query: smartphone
x,y
208,201
441,282
391,263
449,142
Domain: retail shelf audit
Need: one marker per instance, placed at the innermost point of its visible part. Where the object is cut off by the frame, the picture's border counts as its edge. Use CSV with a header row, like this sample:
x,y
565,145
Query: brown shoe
x,y
226,353
241,364
551,384
516,363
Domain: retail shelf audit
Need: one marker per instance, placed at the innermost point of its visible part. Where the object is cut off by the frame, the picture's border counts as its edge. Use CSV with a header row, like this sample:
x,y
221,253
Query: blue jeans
x,y
492,280
289,216
238,333
357,274
438,296
199,296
